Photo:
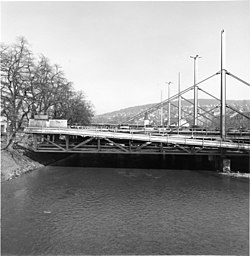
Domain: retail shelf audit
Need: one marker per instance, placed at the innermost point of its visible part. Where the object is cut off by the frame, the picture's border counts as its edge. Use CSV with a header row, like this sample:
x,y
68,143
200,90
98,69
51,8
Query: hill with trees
x,y
122,115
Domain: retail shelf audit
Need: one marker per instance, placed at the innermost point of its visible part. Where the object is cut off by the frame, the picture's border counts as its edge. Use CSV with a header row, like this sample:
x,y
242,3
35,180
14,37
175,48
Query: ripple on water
x,y
124,211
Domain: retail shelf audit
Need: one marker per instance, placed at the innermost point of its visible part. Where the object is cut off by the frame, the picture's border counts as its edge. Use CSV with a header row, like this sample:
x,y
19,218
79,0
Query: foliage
x,y
75,109
16,67
32,86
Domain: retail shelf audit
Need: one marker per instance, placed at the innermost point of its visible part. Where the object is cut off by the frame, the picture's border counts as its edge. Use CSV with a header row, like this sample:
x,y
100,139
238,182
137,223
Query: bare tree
x,y
16,98
76,109
47,86
30,87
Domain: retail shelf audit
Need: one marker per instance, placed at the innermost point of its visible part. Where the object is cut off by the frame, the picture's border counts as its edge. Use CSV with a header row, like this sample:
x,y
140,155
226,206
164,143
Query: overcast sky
x,y
122,53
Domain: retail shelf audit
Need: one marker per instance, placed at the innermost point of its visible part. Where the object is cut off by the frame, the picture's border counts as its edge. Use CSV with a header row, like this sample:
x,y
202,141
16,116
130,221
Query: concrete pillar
x,y
67,142
35,141
98,144
226,165
130,146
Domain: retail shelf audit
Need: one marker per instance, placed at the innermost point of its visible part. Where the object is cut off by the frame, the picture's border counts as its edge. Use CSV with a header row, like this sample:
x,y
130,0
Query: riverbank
x,y
21,159
15,163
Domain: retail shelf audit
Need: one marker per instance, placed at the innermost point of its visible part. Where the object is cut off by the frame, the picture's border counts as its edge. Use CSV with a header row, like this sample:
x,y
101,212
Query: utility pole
x,y
169,112
179,100
195,91
223,88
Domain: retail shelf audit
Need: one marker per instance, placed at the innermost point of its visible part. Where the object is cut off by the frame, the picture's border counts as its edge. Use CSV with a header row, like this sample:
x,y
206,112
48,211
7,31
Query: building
x,y
3,121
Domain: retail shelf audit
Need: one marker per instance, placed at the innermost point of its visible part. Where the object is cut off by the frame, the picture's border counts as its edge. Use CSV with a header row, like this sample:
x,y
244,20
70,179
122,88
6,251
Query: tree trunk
x,y
10,141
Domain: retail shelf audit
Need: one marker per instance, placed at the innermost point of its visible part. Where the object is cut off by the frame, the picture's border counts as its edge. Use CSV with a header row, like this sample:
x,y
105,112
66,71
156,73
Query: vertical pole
x,y
161,147
35,141
130,146
223,89
195,94
179,100
161,110
98,144
169,112
169,109
67,142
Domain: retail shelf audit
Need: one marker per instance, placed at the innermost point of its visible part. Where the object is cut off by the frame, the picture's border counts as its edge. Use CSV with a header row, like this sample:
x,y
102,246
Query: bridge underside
x,y
127,144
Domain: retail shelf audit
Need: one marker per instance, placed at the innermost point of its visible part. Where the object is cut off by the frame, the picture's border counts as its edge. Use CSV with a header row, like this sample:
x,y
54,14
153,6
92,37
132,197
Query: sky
x,y
122,54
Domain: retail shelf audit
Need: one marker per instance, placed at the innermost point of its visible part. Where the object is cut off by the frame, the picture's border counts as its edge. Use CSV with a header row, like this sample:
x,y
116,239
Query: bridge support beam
x,y
226,165
67,142
83,143
98,144
35,141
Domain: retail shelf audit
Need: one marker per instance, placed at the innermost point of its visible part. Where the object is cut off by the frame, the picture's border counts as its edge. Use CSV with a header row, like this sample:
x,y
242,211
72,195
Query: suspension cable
x,y
228,106
234,109
244,82
163,103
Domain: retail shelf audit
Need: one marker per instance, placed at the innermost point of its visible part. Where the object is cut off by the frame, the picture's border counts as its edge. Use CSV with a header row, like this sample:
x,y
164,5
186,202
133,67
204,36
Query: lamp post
x,y
195,91
169,113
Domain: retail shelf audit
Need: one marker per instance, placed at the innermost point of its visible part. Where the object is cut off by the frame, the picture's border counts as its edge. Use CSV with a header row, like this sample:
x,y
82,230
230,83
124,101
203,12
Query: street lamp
x,y
195,91
168,83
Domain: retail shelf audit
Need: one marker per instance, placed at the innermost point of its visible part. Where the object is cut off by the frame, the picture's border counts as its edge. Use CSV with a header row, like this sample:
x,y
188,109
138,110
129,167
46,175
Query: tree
x,y
16,99
75,109
30,87
49,87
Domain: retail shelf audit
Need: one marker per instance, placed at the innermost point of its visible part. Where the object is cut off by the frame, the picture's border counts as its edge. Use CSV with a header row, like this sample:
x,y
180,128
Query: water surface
x,y
80,210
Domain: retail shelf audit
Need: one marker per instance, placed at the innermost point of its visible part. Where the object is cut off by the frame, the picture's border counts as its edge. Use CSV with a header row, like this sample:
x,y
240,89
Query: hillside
x,y
122,115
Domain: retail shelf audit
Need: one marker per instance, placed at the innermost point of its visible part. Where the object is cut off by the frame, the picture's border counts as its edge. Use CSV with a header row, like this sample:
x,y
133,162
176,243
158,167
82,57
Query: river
x,y
82,210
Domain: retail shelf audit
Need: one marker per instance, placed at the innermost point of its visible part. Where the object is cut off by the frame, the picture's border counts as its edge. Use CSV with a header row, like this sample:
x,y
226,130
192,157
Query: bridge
x,y
154,140
98,140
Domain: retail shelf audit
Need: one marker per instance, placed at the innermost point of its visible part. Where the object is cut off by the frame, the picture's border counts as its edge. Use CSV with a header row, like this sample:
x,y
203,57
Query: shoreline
x,y
22,160
236,174
14,164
